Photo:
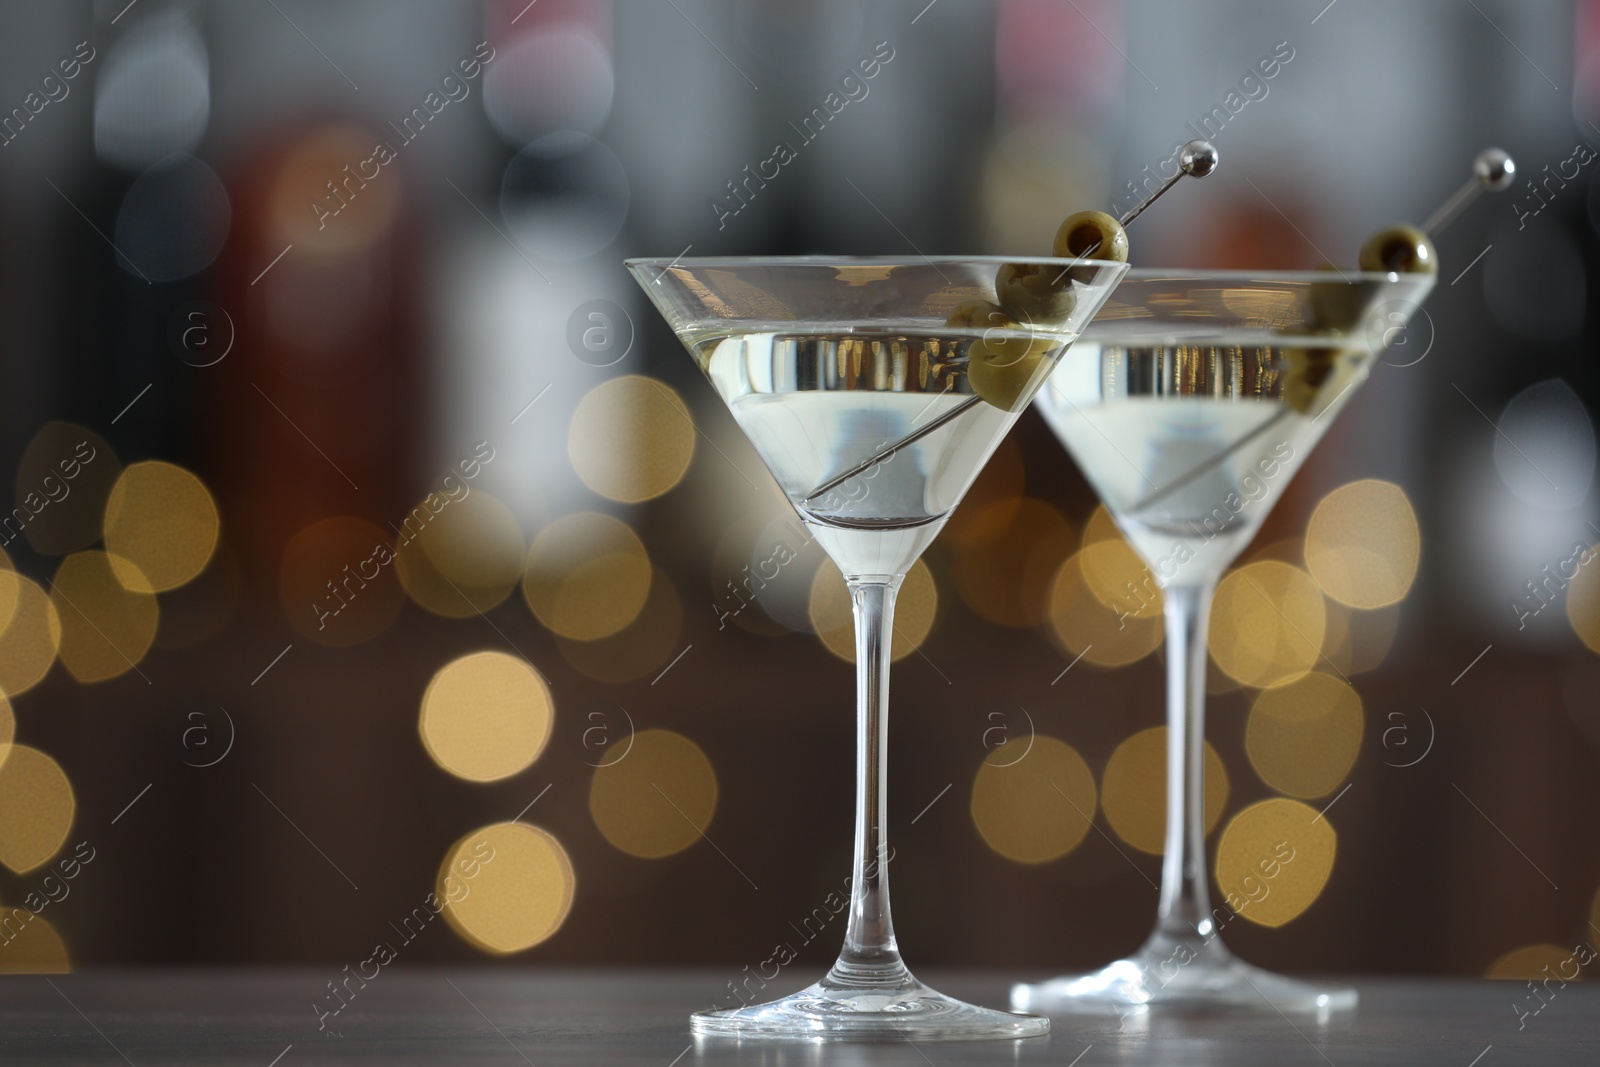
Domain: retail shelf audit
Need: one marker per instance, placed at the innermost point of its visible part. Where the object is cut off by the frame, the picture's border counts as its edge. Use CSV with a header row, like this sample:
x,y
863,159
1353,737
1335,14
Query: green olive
x,y
1091,235
1304,372
1337,304
1403,248
1004,359
1034,293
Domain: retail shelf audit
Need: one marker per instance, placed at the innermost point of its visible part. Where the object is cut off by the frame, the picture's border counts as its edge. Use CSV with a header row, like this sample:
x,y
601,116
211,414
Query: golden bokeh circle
x,y
486,716
506,887
29,641
1133,790
1087,628
1004,578
1101,526
1533,963
108,614
36,949
1038,807
1117,576
466,560
1273,860
337,584
915,607
1583,603
1363,544
654,797
631,438
587,576
1267,623
1303,737
8,728
65,476
977,518
36,808
642,648
162,519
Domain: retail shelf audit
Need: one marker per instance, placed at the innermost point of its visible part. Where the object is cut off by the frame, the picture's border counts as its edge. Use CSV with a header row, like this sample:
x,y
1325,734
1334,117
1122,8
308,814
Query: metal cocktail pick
x,y
1493,170
1197,160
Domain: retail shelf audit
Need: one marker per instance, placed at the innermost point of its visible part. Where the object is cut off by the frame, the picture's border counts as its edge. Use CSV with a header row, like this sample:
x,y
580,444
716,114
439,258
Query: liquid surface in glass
x,y
818,406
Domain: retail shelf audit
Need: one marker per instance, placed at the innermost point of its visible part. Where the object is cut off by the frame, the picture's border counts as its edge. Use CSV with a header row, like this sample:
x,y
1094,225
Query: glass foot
x,y
1175,976
906,1012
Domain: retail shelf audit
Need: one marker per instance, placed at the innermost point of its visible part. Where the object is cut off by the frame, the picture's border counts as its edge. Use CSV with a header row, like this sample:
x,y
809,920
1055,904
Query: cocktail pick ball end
x,y
1494,168
1199,158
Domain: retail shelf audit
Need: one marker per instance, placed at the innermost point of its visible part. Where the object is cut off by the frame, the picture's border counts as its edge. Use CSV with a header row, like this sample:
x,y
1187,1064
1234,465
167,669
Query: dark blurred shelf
x,y
502,1015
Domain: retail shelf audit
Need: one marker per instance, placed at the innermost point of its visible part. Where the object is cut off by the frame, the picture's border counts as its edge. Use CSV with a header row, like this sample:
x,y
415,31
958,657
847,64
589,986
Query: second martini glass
x,y
859,396
1189,404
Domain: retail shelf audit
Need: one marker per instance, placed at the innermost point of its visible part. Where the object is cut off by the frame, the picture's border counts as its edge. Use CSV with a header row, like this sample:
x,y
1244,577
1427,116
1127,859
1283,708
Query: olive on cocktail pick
x,y
1403,249
1033,296
1091,235
1407,249
1337,306
1003,360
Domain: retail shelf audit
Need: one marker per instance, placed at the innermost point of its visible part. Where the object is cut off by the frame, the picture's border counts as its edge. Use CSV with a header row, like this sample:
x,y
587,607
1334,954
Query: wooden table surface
x,y
498,1015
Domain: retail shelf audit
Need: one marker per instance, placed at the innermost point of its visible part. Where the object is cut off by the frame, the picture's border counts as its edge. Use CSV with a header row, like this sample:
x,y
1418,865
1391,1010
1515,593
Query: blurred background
x,y
364,511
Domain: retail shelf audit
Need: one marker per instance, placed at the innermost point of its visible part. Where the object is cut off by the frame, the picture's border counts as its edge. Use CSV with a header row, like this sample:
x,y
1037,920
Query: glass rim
x,y
857,261
1132,273
1287,277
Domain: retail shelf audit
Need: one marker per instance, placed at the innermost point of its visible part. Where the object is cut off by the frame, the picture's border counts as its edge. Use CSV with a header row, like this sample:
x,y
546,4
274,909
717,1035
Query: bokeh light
x,y
1363,544
1133,791
153,95
642,648
336,584
173,221
506,887
361,220
1358,641
486,716
565,196
631,439
108,614
554,78
162,519
1545,448
1100,526
29,641
915,607
466,560
1533,963
1273,860
1087,628
992,502
1119,579
1267,623
63,481
8,728
1036,808
1005,578
1303,737
1583,603
37,949
587,576
654,797
36,808
760,567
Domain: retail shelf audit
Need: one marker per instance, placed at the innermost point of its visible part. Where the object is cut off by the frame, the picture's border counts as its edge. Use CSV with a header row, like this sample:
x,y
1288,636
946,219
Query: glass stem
x,y
1184,914
870,958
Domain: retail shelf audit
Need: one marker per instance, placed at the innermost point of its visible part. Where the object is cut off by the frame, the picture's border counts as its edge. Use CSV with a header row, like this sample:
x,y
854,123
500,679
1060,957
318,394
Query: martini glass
x,y
1189,404
853,389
